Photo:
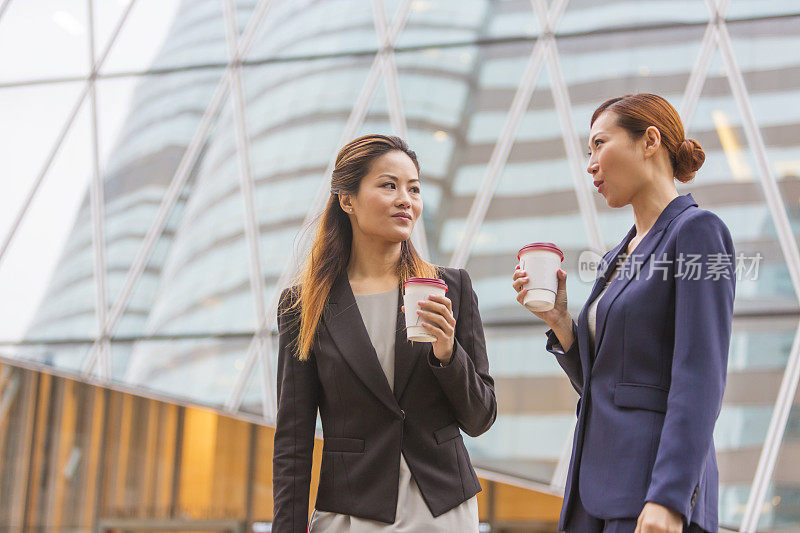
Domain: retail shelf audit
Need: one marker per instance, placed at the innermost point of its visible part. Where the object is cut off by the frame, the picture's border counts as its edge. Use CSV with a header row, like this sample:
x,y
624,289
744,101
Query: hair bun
x,y
688,160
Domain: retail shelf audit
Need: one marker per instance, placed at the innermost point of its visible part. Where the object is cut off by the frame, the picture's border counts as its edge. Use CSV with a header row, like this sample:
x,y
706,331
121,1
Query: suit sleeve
x,y
570,360
703,316
465,380
298,387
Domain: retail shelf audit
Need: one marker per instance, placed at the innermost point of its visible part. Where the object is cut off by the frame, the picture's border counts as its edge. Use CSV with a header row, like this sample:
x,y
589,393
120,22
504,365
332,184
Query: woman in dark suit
x,y
392,411
648,352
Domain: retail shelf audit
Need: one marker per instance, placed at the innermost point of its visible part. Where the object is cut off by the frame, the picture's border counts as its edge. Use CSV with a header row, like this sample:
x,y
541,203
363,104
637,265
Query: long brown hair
x,y
330,251
637,112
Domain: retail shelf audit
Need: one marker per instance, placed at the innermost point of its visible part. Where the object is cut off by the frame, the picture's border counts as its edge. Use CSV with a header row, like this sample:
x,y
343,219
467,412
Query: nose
x,y
593,167
403,198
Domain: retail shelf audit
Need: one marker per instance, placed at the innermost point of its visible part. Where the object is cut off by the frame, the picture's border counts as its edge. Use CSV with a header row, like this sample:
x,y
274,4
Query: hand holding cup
x,y
429,315
559,310
541,283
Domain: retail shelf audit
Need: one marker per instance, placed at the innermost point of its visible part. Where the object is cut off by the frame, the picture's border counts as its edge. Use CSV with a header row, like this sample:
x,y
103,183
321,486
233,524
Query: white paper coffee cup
x,y
414,290
541,262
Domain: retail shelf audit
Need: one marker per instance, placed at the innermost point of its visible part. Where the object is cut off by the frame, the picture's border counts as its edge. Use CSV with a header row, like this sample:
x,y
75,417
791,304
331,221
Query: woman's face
x,y
389,200
616,161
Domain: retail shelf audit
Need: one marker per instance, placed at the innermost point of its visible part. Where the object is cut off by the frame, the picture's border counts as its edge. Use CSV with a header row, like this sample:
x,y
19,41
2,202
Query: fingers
x,y
521,296
438,320
520,279
435,331
440,306
444,300
519,284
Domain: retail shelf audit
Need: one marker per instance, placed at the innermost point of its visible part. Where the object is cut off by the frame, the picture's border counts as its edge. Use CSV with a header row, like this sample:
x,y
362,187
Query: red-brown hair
x,y
637,112
330,251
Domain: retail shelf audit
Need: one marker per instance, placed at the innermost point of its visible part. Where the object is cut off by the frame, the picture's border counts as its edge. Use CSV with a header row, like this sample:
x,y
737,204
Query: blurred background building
x,y
161,159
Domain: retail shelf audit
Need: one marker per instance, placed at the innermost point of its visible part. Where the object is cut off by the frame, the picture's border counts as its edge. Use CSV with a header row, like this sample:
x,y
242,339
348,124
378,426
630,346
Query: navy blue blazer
x,y
651,392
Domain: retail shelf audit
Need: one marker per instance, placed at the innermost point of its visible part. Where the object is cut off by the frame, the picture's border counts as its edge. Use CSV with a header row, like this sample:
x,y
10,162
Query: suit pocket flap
x,y
446,433
641,396
343,444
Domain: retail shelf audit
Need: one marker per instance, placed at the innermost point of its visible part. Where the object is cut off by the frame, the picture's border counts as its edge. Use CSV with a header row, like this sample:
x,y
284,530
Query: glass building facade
x,y
188,168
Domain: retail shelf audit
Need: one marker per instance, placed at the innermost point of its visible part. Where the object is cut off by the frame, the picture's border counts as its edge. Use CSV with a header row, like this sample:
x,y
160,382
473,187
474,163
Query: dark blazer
x,y
365,426
652,390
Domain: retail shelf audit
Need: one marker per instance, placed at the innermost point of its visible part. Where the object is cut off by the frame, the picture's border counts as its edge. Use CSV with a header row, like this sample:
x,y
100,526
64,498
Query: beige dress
x,y
379,313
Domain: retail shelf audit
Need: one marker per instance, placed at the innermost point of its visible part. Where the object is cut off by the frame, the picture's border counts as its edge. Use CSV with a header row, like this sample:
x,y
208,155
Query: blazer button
x,y
402,414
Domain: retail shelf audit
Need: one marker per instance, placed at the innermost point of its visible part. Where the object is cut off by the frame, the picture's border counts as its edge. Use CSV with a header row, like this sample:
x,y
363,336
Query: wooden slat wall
x,y
150,455
33,512
165,458
231,465
62,448
148,459
92,453
197,462
25,409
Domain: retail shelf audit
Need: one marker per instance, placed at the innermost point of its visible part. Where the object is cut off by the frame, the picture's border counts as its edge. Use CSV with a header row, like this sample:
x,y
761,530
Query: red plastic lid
x,y
429,281
549,246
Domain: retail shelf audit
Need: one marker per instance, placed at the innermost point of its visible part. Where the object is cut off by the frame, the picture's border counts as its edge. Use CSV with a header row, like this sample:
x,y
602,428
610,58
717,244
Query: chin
x,y
398,237
612,203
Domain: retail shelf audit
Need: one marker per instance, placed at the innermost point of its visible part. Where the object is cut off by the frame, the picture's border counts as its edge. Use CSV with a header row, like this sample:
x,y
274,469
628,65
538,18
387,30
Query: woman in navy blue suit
x,y
648,352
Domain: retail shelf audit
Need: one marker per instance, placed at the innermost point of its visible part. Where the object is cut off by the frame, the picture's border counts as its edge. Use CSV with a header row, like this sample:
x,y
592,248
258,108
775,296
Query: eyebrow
x,y
392,176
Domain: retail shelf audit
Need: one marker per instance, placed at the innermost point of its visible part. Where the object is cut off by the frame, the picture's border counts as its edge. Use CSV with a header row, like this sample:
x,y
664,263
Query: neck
x,y
650,203
373,260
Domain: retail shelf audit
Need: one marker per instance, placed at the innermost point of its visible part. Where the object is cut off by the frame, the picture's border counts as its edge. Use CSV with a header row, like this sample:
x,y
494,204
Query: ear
x,y
652,141
346,203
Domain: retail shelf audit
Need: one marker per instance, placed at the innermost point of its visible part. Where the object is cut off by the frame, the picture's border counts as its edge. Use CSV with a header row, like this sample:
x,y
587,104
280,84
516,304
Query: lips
x,y
597,183
405,216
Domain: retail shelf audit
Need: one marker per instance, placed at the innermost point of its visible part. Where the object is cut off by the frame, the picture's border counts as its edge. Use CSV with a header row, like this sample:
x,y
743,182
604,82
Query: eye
x,y
389,183
415,190
597,142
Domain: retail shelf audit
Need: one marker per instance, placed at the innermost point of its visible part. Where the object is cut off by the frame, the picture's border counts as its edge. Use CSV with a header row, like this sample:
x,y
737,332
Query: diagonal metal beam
x,y
769,184
247,188
586,204
770,451
772,442
572,145
3,8
352,125
502,148
717,33
34,189
697,78
396,113
187,163
97,201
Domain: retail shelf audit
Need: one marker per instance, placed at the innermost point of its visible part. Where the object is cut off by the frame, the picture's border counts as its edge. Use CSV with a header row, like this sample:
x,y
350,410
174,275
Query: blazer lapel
x,y
406,353
583,320
343,321
636,261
